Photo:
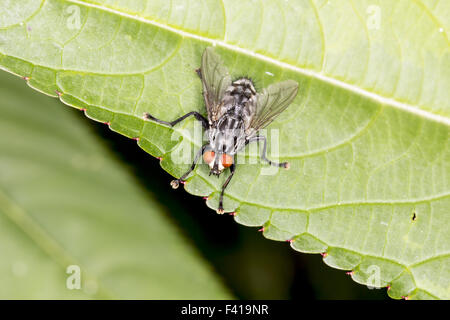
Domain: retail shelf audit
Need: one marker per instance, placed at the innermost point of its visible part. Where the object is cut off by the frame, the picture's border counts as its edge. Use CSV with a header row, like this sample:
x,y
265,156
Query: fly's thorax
x,y
227,134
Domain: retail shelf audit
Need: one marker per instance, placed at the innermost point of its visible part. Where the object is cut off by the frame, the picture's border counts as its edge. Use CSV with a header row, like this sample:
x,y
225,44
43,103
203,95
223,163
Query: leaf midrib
x,y
307,72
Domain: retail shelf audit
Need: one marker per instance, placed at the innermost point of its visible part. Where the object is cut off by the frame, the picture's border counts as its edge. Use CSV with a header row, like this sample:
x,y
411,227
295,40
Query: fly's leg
x,y
263,153
199,72
176,183
220,209
198,116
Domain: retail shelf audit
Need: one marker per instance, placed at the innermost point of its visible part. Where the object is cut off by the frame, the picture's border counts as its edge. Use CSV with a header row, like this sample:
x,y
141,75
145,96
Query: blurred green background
x,y
251,266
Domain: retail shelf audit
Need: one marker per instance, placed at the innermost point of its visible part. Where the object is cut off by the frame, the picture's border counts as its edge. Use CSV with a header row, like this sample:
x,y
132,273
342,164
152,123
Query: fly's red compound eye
x,y
209,156
227,160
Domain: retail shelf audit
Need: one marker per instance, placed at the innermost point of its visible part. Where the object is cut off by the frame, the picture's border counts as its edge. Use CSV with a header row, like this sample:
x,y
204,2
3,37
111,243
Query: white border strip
x,y
310,73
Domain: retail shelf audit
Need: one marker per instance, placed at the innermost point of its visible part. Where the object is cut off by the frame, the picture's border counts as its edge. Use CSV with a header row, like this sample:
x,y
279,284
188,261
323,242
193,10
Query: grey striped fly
x,y
236,111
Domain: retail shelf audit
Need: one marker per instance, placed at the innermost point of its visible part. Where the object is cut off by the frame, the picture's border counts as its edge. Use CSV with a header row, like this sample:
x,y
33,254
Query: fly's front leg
x,y
176,183
220,209
198,116
263,153
199,72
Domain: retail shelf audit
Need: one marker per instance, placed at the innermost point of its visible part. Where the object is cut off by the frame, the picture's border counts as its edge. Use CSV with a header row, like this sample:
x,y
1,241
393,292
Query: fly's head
x,y
217,161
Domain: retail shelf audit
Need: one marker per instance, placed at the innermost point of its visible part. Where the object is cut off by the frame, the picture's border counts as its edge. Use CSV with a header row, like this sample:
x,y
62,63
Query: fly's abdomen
x,y
240,93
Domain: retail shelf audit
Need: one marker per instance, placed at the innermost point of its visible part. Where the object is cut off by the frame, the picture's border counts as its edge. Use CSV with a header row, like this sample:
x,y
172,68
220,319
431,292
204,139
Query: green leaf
x,y
65,201
367,136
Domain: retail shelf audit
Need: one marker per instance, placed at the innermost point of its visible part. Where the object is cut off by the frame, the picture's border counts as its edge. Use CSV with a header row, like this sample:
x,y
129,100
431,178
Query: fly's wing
x,y
270,103
216,80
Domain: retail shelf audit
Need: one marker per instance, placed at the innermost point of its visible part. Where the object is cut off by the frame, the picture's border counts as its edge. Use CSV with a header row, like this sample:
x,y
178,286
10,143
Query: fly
x,y
235,114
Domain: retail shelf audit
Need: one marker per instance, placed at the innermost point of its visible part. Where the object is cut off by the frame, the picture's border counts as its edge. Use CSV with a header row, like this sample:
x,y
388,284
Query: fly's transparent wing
x,y
270,103
216,80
